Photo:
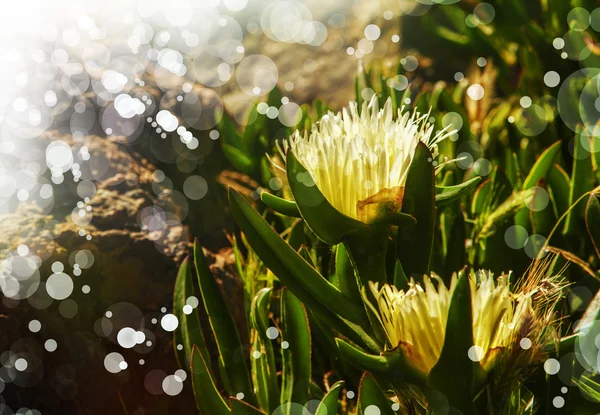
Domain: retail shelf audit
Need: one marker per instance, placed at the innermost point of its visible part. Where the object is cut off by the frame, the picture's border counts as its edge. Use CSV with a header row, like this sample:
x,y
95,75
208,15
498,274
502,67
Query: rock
x,y
129,264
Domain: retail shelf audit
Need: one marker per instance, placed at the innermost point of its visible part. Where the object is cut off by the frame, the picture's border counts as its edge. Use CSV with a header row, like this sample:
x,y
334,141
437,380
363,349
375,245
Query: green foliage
x,y
276,383
190,334
232,362
508,186
415,247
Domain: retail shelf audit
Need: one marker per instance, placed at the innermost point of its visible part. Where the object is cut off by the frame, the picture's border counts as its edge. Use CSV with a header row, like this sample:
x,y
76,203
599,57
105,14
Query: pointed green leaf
x,y
296,372
296,237
498,208
456,257
542,217
323,219
582,181
392,365
259,312
367,251
450,105
542,166
448,194
239,407
401,220
345,274
589,389
264,369
501,188
371,398
232,354
587,329
400,280
229,132
592,221
360,83
265,170
291,269
559,185
513,172
189,331
238,160
262,376
415,247
308,256
455,374
481,197
329,403
279,205
274,97
254,124
208,398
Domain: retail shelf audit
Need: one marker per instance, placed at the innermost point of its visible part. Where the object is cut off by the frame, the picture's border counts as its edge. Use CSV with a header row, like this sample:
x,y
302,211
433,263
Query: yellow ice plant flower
x,y
352,157
414,320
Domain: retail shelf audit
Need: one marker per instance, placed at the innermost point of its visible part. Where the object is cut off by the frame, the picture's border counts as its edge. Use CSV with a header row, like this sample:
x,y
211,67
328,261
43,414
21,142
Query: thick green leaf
x,y
559,185
297,236
498,209
309,256
291,269
296,358
542,219
279,205
450,105
589,389
456,257
392,365
481,197
455,374
421,103
254,124
265,169
232,355
189,331
448,194
511,166
238,159
264,370
239,407
320,108
542,166
501,188
367,251
323,219
588,328
415,246
400,280
449,178
208,398
494,124
592,221
262,376
229,132
329,403
582,181
345,274
371,398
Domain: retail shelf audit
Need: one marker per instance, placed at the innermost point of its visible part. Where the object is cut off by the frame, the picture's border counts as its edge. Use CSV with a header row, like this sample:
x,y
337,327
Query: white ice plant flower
x,y
414,320
352,157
